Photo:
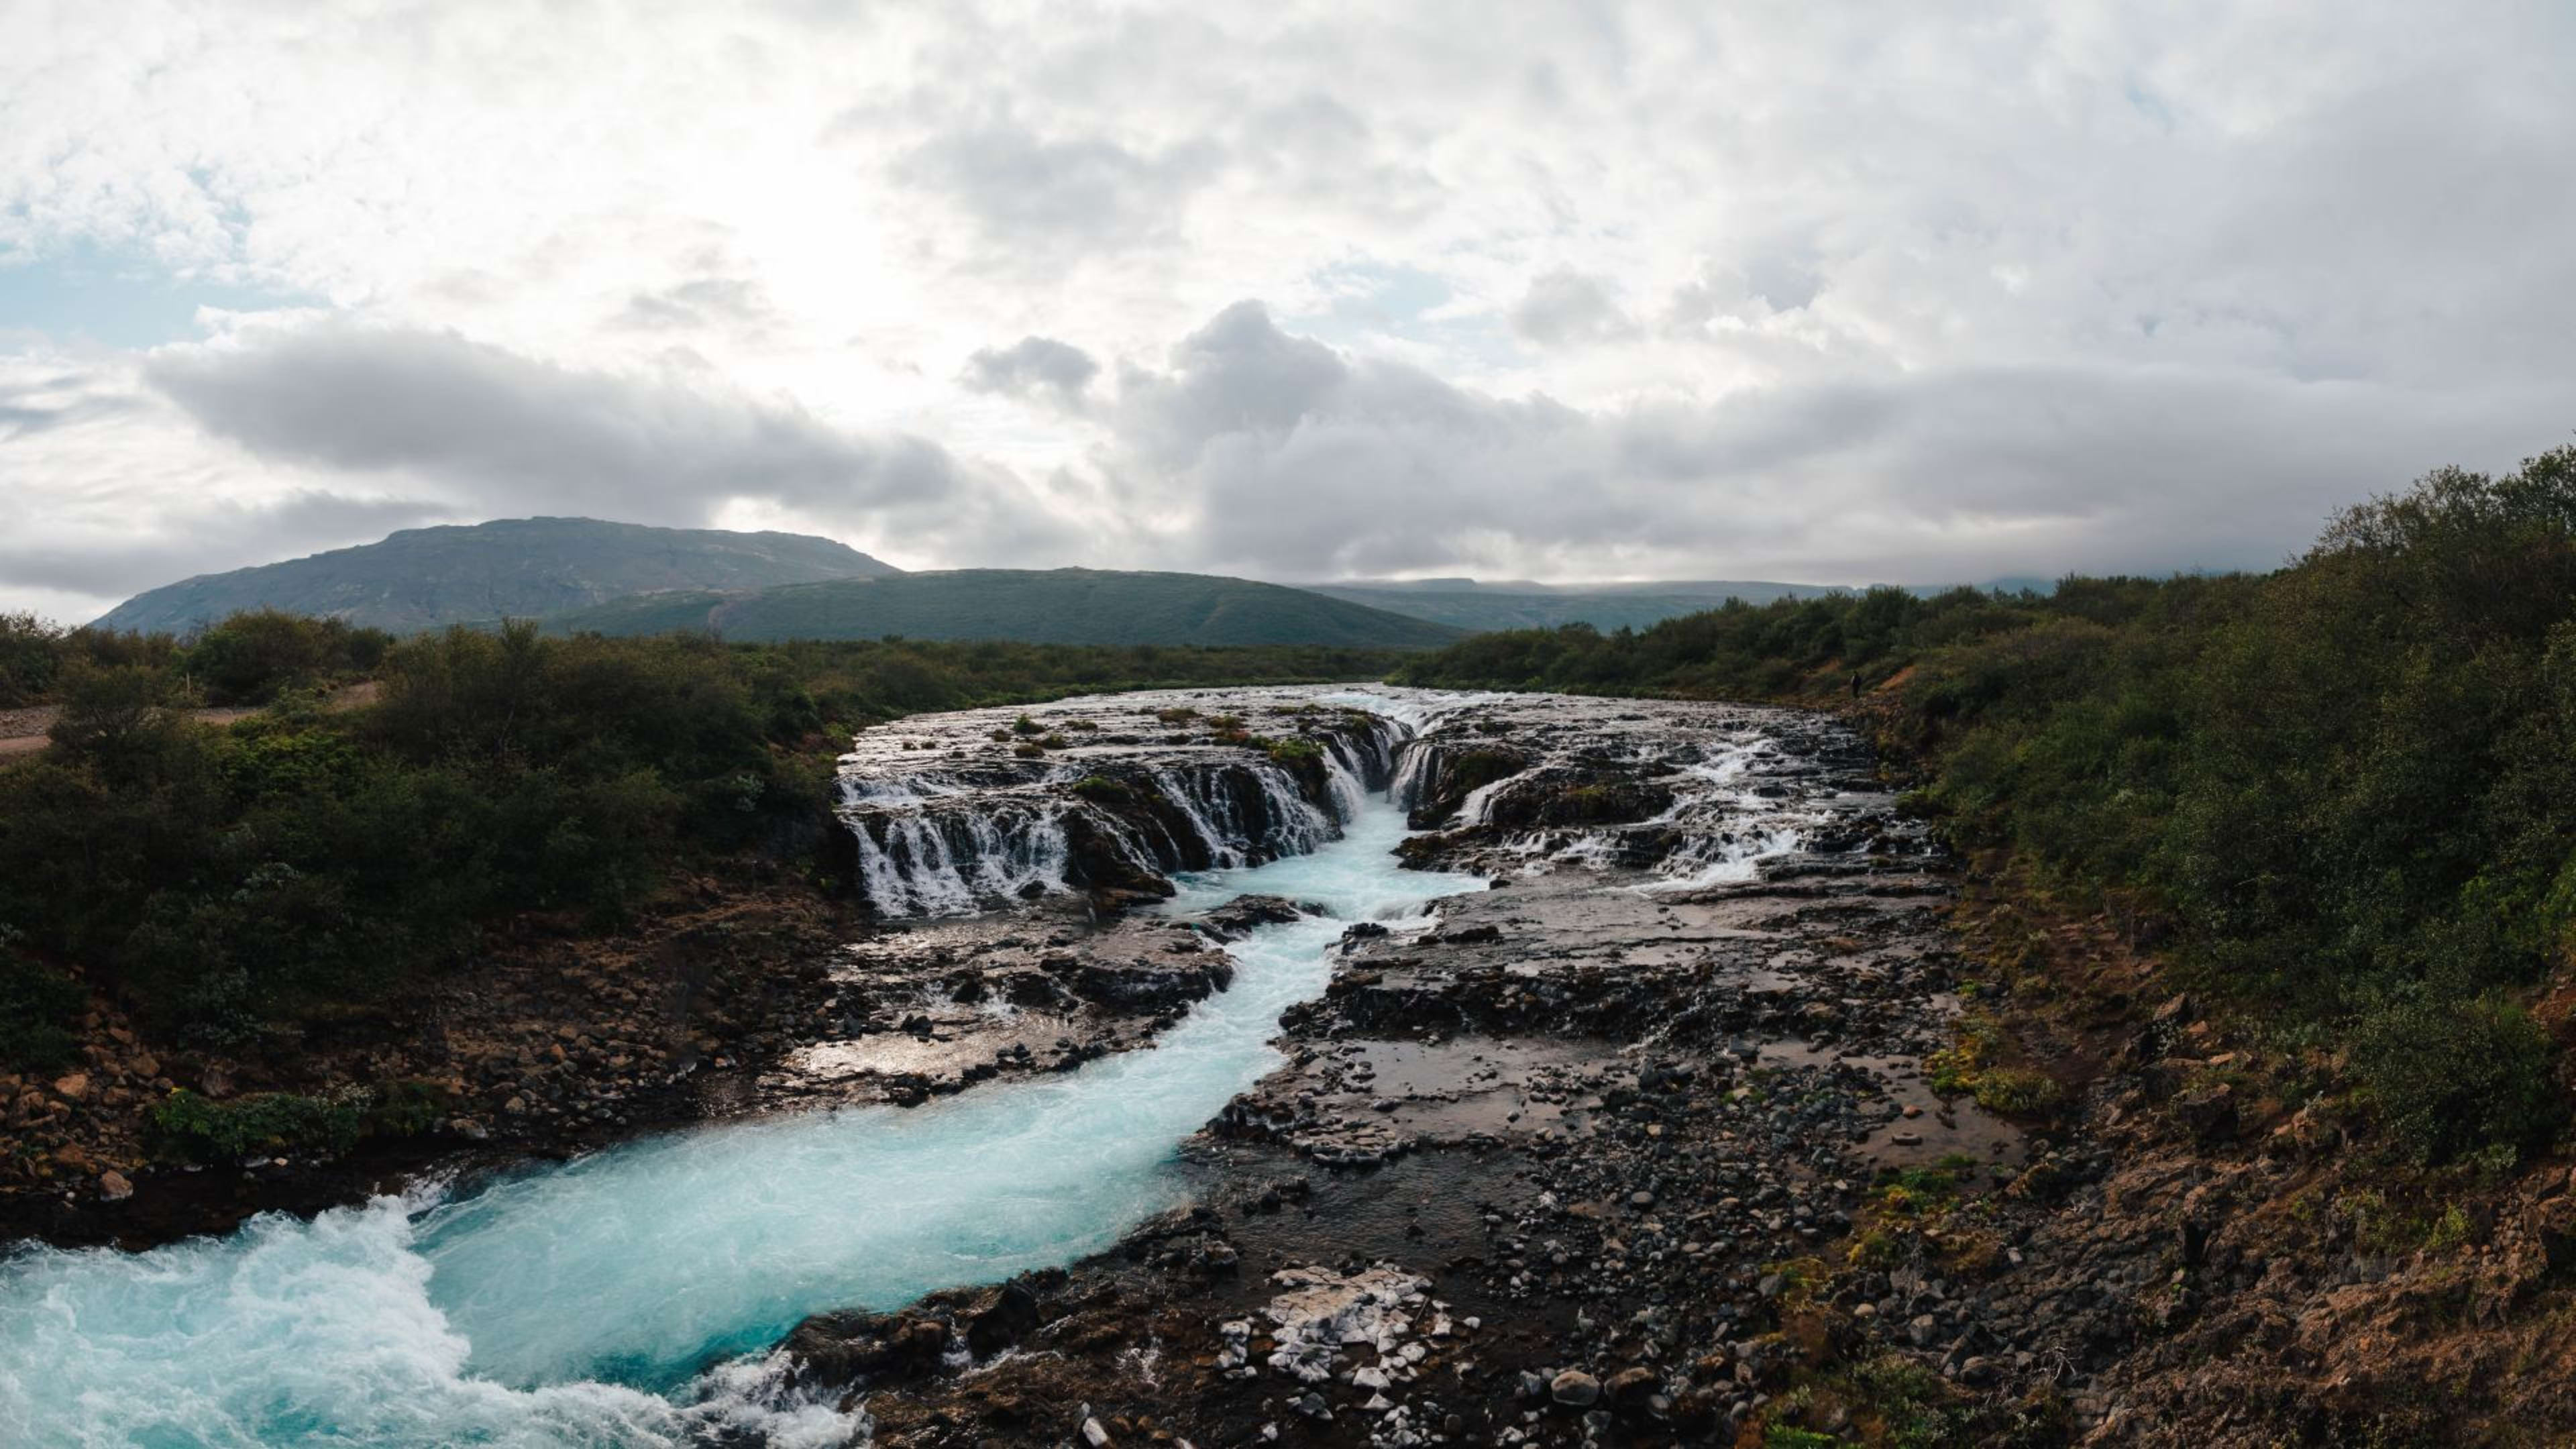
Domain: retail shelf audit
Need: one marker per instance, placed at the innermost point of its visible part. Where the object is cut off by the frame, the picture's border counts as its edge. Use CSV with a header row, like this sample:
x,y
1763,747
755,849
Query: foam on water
x,y
623,1299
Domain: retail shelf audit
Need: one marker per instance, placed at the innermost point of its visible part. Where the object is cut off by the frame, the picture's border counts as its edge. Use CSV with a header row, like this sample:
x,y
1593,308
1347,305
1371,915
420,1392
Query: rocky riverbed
x,y
1609,1150
1566,1166
1667,1134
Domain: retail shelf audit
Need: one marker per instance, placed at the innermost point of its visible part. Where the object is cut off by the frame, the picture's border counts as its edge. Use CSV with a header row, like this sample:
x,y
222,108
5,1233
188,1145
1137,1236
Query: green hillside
x,y
1479,608
422,578
1055,606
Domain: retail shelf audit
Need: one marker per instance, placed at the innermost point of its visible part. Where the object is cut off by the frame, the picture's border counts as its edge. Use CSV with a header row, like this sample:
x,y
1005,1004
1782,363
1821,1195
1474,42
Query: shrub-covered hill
x,y
2338,794
423,578
1479,607
1054,606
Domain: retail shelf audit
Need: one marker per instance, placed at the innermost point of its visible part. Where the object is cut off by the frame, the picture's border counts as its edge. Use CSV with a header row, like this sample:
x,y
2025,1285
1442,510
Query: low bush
x,y
39,1010
235,884
1101,790
251,658
2450,1078
1295,750
189,1127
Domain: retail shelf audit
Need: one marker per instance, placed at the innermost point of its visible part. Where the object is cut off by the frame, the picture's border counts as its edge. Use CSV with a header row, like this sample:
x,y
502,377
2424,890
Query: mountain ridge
x,y
1038,606
422,578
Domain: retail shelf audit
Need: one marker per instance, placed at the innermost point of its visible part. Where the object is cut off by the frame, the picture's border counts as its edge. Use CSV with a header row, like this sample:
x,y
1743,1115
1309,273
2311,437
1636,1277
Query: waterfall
x,y
1210,813
1416,760
918,862
958,831
1349,787
628,1299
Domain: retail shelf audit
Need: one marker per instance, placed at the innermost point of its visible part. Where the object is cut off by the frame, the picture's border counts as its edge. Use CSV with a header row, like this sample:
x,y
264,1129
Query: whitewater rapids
x,y
628,1299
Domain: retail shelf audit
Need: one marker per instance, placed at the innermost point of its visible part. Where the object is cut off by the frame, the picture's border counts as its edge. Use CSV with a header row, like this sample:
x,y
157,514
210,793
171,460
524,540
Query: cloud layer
x,y
1634,290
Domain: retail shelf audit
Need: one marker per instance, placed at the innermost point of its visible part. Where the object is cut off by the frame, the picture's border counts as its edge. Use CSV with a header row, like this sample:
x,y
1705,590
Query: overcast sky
x,y
1788,291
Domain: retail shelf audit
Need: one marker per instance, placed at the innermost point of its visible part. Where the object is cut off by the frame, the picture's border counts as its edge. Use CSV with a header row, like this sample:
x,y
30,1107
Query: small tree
x,y
31,656
119,717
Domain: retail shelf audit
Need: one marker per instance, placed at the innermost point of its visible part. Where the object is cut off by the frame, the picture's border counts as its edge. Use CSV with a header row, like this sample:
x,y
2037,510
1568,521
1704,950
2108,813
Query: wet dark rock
x,y
1241,914
1607,1110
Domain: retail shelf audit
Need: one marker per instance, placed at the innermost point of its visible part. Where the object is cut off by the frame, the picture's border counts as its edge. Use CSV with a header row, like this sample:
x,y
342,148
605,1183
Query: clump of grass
x,y
1102,790
1969,1067
189,1127
2017,1091
1295,750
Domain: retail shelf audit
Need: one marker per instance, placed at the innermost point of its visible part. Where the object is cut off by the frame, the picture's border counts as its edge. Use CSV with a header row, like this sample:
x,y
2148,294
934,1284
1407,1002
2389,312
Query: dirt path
x,y
23,731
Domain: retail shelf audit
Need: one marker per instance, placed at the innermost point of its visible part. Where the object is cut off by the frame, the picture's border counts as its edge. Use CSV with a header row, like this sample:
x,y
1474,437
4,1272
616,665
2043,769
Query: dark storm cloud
x,y
1038,368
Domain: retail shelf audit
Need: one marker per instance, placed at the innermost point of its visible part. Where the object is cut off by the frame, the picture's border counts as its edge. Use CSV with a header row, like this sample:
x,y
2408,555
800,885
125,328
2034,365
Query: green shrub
x,y
1295,750
125,718
250,657
2017,1091
189,1127
2321,790
2452,1078
236,884
39,1008
1102,790
32,652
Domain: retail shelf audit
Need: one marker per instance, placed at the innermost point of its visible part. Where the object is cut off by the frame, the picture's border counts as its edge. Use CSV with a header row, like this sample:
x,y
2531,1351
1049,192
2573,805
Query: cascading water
x,y
977,825
1211,814
584,1304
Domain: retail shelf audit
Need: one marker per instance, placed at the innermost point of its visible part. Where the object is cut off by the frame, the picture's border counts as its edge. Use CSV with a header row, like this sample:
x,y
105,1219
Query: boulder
x,y
1575,1389
2207,1113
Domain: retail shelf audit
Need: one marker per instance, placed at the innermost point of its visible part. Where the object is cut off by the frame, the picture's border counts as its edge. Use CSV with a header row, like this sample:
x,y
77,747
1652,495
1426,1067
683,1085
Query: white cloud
x,y
1656,288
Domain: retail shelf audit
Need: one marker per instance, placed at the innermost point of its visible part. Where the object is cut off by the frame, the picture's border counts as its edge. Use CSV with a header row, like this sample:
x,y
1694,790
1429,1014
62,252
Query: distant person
x,y
1855,684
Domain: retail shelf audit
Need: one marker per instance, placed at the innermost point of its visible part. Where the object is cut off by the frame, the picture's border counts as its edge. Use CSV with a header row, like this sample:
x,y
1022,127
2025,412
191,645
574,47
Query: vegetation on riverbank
x,y
2337,795
237,884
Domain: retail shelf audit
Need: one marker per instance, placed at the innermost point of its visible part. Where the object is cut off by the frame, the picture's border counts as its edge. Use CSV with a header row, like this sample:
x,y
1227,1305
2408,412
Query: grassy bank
x,y
2340,796
235,885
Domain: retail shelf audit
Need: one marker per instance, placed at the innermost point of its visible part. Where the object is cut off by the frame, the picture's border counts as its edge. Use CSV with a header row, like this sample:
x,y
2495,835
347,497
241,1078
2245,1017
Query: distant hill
x,y
1477,607
1055,606
422,578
